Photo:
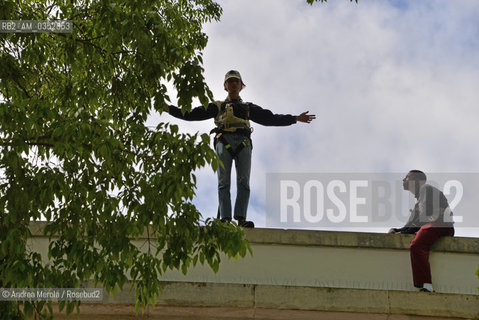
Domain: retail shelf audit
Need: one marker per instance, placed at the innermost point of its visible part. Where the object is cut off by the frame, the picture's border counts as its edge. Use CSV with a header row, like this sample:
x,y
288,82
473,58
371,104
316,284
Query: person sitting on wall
x,y
430,220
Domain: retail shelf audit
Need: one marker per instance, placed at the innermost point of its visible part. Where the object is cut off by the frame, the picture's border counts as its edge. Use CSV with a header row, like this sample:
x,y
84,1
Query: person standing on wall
x,y
430,220
233,141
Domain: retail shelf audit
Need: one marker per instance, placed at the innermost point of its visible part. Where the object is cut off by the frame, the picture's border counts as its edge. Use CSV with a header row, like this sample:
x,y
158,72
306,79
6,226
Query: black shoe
x,y
225,220
245,224
424,290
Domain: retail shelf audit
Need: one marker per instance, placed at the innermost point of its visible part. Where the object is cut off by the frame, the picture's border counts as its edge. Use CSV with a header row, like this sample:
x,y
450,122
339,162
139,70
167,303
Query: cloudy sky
x,y
393,83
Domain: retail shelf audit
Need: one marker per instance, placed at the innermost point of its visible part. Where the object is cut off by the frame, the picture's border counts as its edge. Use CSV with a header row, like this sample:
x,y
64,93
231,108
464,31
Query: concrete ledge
x,y
367,301
208,294
192,294
434,304
115,312
321,272
355,240
228,301
325,299
330,259
334,239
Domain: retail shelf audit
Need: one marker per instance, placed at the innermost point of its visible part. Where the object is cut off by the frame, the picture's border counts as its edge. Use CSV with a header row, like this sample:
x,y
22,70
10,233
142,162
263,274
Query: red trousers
x,y
419,250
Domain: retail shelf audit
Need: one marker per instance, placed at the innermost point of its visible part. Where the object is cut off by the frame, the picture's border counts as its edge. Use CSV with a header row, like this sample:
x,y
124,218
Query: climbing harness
x,y
227,122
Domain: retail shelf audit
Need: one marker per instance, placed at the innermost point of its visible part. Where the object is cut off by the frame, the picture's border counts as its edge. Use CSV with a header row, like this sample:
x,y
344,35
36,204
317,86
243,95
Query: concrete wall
x,y
327,271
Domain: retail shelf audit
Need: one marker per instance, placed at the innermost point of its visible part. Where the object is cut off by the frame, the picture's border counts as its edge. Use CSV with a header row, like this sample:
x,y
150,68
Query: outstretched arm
x,y
267,118
199,113
305,117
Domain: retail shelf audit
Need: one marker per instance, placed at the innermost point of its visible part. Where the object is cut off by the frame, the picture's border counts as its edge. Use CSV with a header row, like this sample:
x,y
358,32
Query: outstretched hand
x,y
305,117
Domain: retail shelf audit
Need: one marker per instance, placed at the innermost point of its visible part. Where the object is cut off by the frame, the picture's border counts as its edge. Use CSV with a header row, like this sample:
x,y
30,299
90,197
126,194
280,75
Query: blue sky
x,y
393,85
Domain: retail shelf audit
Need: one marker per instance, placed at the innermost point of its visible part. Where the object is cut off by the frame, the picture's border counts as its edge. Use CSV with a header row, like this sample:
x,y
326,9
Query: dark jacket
x,y
256,114
431,207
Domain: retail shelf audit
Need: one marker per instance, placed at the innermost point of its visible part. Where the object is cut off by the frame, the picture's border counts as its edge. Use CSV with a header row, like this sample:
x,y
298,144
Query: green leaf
x,y
70,307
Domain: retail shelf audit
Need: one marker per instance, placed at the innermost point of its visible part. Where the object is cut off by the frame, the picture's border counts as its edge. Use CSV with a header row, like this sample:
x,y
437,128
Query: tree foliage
x,y
75,150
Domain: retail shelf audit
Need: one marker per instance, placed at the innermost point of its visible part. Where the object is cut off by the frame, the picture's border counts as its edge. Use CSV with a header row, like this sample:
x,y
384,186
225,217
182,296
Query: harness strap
x,y
234,152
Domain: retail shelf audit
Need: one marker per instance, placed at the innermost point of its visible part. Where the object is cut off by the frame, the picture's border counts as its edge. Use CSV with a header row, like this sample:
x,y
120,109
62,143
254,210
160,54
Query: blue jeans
x,y
243,170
